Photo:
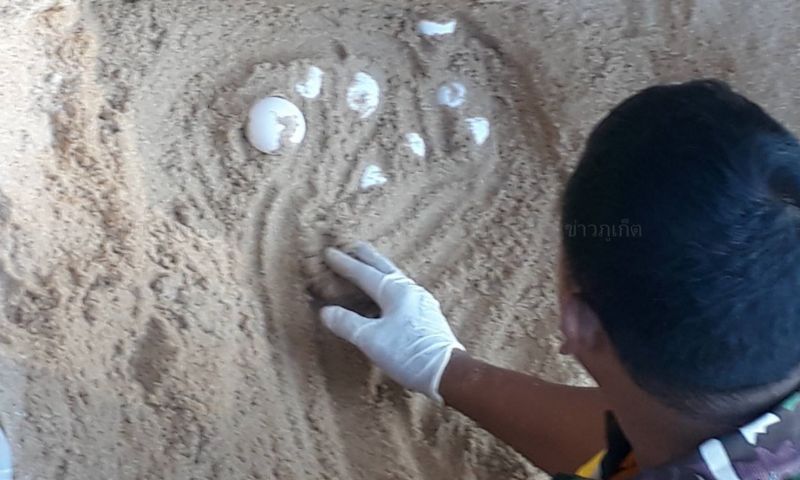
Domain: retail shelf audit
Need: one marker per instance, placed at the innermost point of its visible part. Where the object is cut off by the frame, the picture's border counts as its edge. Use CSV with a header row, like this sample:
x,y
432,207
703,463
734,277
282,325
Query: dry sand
x,y
159,276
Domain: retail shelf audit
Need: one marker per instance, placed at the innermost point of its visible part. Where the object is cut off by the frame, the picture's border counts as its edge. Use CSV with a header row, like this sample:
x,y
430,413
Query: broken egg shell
x,y
363,95
451,94
312,86
431,29
416,143
479,128
373,176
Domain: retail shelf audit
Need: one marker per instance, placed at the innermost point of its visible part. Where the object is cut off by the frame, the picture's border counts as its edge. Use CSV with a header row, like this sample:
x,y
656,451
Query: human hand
x,y
411,341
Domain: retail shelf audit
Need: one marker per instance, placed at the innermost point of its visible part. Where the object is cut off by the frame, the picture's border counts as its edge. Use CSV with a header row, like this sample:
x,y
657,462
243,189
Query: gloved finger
x,y
368,254
344,323
361,274
6,463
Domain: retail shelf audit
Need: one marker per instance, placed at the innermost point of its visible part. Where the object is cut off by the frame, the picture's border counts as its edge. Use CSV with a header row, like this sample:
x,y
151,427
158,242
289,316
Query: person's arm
x,y
556,427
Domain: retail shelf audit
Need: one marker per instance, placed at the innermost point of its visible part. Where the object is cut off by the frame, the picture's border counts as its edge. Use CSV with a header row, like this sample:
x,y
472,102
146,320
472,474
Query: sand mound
x,y
160,276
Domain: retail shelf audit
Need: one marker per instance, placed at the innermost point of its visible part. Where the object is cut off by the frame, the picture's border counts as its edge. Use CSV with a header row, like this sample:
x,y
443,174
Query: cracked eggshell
x,y
274,124
451,94
479,128
416,143
372,177
363,95
312,86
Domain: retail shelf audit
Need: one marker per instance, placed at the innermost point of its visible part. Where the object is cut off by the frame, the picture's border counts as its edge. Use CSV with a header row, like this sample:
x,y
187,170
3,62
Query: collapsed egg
x,y
416,143
313,83
274,123
373,176
363,95
479,127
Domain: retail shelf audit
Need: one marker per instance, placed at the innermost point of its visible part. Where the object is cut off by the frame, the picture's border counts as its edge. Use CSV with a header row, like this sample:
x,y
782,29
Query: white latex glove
x,y
6,464
411,341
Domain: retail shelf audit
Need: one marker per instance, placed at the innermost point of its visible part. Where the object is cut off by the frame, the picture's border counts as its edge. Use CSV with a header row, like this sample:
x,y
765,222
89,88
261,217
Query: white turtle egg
x,y
275,123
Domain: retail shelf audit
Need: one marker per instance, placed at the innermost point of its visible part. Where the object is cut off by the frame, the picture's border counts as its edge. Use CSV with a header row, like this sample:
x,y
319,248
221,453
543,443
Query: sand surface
x,y
159,276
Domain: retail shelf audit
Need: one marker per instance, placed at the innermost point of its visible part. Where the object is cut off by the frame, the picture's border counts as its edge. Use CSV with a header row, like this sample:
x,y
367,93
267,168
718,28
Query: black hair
x,y
681,229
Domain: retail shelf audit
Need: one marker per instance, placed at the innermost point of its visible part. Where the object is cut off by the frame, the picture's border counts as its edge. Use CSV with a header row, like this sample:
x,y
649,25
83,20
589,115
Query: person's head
x,y
681,249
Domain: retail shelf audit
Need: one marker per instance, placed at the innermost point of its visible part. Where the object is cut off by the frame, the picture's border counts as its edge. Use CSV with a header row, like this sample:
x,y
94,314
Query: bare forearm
x,y
556,427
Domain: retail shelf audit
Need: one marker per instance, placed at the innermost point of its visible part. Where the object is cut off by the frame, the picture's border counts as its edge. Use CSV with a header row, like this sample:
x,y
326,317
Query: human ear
x,y
580,326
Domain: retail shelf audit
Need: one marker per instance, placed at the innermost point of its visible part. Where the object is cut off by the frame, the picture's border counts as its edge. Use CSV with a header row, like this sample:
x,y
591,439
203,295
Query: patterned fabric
x,y
766,449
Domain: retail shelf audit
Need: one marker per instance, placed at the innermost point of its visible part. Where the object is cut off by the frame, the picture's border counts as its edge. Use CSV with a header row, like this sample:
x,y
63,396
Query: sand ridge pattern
x,y
282,211
160,277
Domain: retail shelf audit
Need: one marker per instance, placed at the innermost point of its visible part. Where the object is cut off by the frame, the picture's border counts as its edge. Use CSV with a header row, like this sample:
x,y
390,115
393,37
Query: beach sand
x,y
160,277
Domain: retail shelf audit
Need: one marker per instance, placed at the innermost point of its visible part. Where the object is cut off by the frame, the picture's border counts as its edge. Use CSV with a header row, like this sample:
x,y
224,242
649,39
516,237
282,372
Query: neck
x,y
658,434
